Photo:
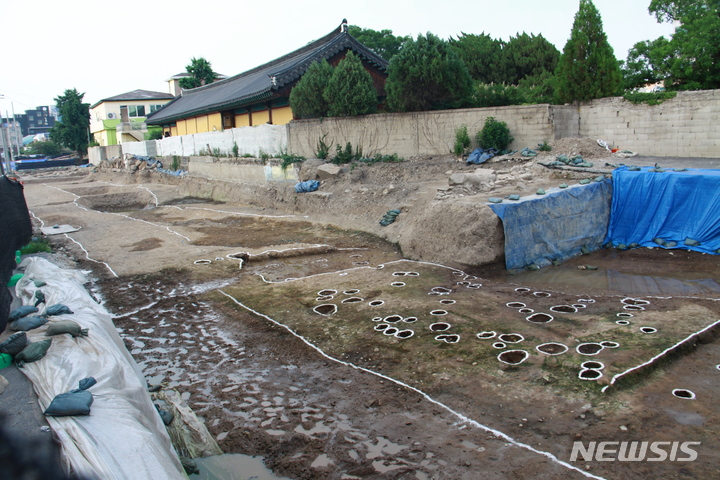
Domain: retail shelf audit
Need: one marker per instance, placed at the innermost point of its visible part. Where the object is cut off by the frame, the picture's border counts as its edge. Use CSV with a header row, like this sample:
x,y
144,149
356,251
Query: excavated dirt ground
x,y
286,358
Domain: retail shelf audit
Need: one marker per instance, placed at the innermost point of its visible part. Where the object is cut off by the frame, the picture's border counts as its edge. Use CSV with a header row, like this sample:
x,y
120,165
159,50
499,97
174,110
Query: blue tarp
x,y
479,156
307,186
668,205
555,226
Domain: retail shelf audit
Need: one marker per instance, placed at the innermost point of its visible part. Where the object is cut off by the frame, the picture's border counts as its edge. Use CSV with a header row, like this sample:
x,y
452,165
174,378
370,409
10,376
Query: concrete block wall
x,y
271,139
685,126
232,170
419,133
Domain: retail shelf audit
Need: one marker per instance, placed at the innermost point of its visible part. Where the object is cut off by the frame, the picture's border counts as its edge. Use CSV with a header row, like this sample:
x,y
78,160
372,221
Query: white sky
x,y
105,48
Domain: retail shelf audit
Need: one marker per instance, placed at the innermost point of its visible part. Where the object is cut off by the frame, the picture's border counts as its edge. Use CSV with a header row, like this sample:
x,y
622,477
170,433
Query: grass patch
x,y
36,246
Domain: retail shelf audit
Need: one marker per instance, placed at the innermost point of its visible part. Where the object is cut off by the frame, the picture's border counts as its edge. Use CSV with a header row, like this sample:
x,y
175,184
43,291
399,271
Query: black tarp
x,y
15,231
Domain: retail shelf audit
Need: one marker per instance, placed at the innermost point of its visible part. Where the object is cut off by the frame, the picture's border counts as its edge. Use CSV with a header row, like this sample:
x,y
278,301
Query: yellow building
x,y
261,95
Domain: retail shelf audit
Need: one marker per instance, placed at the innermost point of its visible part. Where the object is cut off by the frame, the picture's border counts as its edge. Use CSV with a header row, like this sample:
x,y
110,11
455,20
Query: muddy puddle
x,y
233,466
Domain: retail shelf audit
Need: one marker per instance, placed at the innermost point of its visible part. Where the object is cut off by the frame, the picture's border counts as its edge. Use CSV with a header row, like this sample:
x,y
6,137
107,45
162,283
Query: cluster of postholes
x,y
590,370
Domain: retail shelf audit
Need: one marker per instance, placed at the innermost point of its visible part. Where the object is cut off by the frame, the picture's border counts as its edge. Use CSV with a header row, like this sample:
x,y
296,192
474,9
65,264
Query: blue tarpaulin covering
x,y
307,186
672,206
555,226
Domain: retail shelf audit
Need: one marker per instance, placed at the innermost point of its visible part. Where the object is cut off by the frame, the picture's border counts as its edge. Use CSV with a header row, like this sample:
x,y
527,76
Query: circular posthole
x,y
357,255
376,303
539,318
609,344
486,335
717,366
511,337
513,357
441,290
515,305
204,261
458,273
410,319
526,310
361,263
448,338
625,315
439,327
589,348
464,283
390,331
683,393
412,274
579,305
635,301
393,318
380,327
542,294
522,289
447,301
405,333
622,322
475,285
552,348
352,291
563,309
592,365
633,307
586,300
352,300
398,274
438,312
377,319
397,284
499,345
648,329
326,309
589,374
324,298
326,292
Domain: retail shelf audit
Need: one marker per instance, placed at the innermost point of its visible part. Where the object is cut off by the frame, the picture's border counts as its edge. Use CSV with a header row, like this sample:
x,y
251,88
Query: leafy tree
x,y
427,75
538,88
497,95
307,98
73,127
587,68
527,55
201,74
47,148
691,58
494,134
483,56
350,90
382,42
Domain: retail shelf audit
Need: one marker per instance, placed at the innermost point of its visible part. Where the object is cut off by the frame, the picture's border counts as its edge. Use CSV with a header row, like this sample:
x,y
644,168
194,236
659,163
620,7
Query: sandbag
x,y
66,326
74,402
33,352
14,343
23,311
57,309
39,297
28,323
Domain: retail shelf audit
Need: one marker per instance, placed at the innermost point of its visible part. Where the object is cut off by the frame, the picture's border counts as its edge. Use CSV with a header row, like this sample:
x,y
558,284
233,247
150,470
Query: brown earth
x,y
330,395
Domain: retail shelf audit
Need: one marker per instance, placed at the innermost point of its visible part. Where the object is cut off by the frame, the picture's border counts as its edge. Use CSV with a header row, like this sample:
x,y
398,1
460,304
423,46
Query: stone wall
x,y
419,133
231,170
685,126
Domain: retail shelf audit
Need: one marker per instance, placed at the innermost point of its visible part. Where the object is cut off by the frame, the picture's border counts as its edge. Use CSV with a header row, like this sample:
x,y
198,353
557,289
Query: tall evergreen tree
x,y
587,68
201,73
73,128
350,90
307,98
427,75
527,56
382,42
483,56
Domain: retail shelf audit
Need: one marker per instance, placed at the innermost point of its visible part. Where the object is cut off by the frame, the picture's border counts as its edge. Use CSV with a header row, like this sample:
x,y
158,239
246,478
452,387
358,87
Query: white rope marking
x,y
463,418
87,255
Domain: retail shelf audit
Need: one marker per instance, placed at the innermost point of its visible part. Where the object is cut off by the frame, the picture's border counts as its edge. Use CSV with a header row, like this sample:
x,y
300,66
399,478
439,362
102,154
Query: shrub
x,y
288,159
544,147
350,90
307,98
494,134
346,155
235,150
323,149
462,141
650,98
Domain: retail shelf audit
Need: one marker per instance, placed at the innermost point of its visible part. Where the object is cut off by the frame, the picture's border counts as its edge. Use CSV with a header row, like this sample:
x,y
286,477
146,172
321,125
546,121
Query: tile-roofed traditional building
x,y
261,95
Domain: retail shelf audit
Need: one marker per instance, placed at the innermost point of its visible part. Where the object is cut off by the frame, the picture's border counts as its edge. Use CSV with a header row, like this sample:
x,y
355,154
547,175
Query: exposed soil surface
x,y
280,345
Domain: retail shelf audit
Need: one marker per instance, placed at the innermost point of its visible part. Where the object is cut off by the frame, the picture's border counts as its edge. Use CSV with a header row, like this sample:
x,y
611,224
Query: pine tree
x,y
350,90
587,68
201,74
307,98
72,129
427,75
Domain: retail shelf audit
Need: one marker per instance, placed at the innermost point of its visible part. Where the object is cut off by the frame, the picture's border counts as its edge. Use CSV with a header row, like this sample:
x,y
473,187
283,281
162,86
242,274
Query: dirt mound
x,y
585,147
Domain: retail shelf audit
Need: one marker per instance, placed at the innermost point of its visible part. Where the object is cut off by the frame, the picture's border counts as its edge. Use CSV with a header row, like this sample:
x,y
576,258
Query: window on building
x,y
154,108
136,110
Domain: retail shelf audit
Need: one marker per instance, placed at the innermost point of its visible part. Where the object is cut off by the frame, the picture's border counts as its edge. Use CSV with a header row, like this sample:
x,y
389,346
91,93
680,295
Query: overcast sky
x,y
105,48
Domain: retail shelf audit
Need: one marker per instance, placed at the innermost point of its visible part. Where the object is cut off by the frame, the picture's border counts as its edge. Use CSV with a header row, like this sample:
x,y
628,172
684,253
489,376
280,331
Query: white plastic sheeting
x,y
123,437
